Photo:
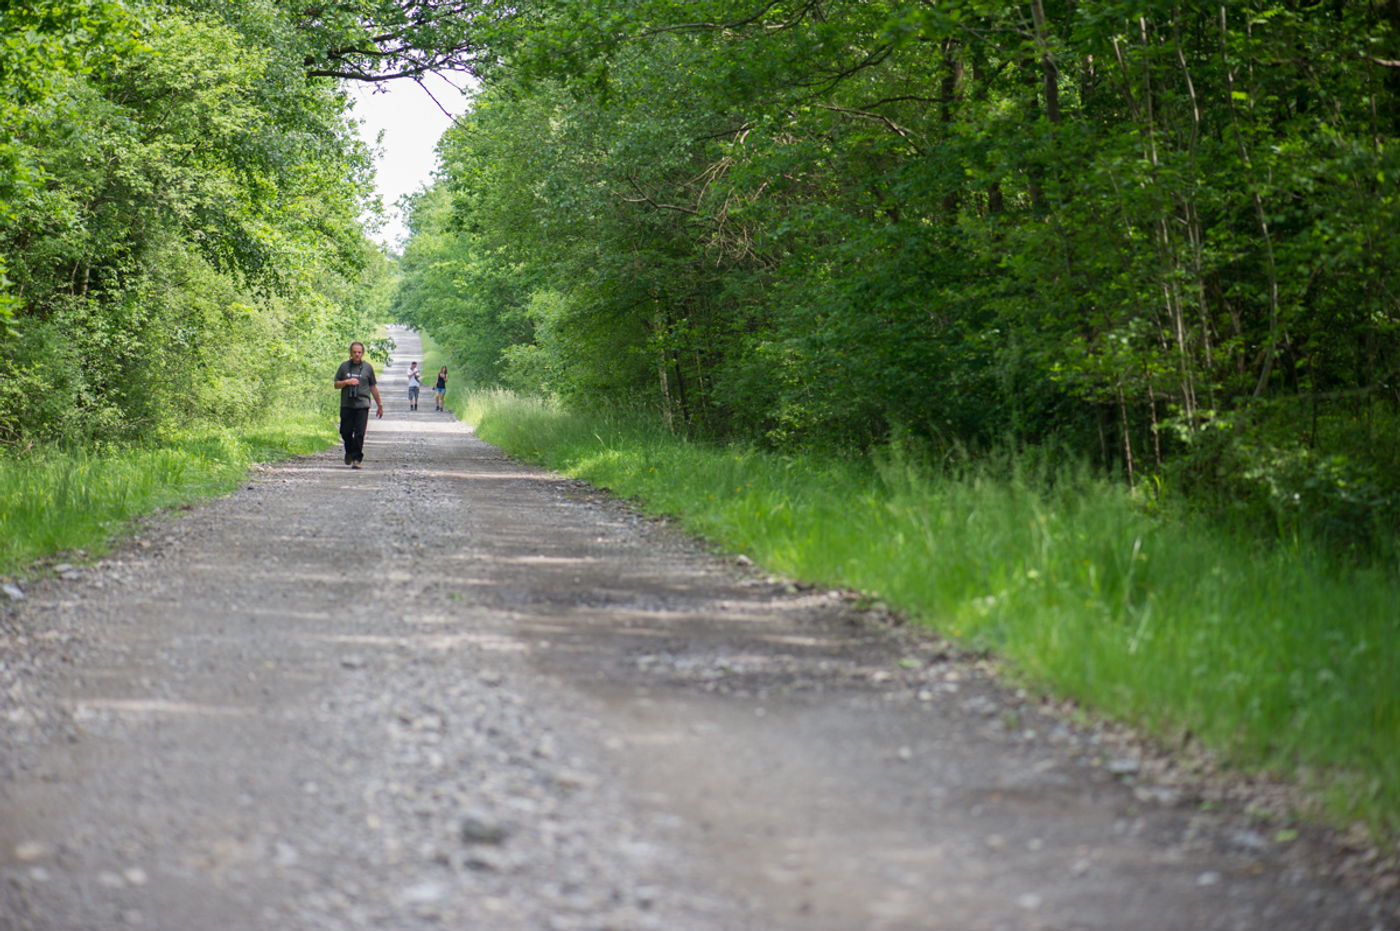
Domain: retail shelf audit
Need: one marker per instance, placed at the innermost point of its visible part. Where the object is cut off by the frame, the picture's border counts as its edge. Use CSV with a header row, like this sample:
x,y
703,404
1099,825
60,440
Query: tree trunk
x,y
1047,63
1271,350
1127,435
667,412
950,90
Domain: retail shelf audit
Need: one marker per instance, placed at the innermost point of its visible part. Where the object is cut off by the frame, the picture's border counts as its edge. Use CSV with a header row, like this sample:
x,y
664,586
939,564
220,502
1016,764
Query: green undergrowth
x,y
1269,654
55,499
65,498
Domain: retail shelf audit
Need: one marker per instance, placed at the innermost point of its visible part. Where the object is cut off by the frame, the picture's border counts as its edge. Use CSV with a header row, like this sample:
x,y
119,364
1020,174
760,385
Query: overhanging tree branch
x,y
382,40
906,134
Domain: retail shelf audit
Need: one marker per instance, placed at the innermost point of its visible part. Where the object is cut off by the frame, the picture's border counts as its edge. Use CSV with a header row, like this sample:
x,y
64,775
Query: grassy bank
x,y
54,500
1268,654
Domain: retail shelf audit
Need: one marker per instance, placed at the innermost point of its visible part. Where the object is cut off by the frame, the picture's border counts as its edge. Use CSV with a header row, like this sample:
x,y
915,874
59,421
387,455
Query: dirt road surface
x,y
450,691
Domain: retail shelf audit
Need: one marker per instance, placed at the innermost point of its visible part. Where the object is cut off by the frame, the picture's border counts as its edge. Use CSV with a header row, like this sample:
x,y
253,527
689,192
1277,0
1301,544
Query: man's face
x,y
357,352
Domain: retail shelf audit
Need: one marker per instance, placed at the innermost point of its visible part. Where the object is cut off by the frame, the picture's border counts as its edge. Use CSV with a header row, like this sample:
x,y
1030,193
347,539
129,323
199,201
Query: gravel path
x,y
452,691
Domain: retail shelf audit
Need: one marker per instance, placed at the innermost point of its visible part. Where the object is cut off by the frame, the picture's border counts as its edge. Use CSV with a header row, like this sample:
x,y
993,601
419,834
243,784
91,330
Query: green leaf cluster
x,y
1144,230
180,237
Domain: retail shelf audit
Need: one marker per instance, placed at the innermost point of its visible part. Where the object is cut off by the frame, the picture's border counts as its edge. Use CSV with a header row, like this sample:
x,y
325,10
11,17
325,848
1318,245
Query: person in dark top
x,y
440,387
356,383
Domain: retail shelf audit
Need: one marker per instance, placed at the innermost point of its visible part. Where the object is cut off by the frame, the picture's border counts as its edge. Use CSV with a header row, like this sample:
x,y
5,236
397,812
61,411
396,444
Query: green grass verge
x,y
1270,655
55,500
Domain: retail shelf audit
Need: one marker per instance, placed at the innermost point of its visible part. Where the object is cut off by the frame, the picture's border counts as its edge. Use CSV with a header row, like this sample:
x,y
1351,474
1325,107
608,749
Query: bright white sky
x,y
412,125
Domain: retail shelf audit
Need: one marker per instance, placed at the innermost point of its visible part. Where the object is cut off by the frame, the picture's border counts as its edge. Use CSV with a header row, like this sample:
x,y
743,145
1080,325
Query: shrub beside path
x,y
449,690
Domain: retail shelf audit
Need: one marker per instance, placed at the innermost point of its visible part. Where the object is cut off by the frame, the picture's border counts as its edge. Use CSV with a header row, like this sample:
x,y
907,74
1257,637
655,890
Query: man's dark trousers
x,y
354,421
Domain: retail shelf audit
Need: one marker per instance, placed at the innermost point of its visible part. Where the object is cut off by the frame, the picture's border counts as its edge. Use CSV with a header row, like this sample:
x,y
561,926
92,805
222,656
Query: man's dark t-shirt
x,y
356,395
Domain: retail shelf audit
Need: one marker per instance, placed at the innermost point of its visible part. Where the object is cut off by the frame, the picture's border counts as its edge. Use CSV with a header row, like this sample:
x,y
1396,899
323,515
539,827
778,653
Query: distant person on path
x,y
356,383
440,388
415,380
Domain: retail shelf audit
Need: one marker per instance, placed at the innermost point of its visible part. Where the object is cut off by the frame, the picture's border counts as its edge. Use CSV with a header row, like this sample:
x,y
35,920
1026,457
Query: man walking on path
x,y
356,383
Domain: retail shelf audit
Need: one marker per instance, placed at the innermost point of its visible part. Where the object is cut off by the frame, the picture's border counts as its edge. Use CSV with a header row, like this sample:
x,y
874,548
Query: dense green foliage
x,y
179,219
1166,235
1265,654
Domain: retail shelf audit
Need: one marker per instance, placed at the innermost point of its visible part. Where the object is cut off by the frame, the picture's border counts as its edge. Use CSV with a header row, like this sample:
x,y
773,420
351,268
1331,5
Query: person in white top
x,y
415,380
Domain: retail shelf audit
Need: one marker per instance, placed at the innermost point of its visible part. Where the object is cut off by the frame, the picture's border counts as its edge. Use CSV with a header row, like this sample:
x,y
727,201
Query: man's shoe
x,y
354,465
349,458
